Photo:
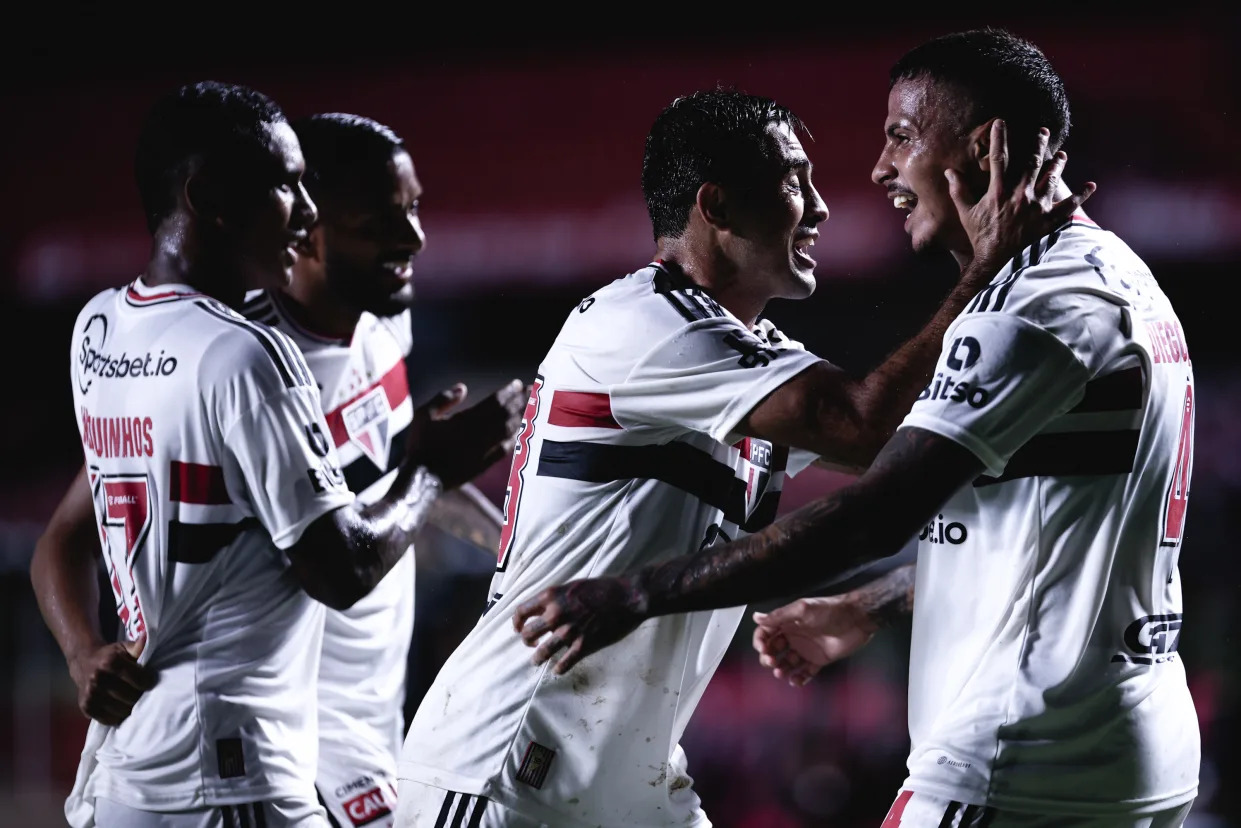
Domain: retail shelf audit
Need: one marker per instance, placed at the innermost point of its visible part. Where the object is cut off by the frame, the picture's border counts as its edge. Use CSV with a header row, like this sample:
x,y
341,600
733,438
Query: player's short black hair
x,y
718,136
340,148
1001,76
200,122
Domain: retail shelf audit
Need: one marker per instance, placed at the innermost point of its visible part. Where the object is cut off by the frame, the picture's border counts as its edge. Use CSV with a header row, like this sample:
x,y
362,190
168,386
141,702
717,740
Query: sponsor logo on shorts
x,y
1151,639
368,807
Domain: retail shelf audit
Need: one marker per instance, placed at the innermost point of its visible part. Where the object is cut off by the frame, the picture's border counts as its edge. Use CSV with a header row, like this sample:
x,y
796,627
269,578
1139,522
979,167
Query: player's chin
x,y
801,282
393,303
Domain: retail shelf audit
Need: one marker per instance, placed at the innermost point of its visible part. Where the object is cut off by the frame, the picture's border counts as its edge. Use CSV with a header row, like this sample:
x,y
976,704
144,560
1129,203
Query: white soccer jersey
x,y
1044,675
365,393
207,453
627,455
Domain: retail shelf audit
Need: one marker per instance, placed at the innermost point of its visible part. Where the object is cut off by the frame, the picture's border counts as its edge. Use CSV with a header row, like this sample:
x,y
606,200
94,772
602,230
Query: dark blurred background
x,y
527,134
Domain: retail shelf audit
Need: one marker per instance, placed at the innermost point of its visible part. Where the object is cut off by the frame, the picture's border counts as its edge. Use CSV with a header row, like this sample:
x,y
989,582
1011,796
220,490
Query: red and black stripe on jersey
x,y
199,484
678,464
1082,452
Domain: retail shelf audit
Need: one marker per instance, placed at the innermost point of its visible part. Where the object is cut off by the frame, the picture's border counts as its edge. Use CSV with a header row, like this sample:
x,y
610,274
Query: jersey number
x,y
521,457
127,517
1178,489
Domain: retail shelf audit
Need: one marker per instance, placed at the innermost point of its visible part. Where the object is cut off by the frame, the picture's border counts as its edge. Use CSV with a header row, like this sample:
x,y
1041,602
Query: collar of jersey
x,y
140,291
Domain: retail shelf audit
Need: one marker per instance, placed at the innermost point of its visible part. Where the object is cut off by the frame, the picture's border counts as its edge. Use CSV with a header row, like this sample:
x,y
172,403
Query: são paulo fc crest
x,y
367,423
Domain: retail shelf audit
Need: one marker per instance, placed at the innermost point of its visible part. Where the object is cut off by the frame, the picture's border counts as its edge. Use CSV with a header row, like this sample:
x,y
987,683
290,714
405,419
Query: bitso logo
x,y
965,352
963,355
1152,639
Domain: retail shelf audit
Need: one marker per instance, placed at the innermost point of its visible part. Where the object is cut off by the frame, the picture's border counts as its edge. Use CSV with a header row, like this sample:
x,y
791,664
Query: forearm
x,y
814,544
65,579
389,525
884,396
870,519
344,555
888,599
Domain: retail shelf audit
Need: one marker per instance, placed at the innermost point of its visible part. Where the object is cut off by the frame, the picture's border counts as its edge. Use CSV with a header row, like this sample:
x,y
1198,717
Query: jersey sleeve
x,y
706,377
1000,379
278,453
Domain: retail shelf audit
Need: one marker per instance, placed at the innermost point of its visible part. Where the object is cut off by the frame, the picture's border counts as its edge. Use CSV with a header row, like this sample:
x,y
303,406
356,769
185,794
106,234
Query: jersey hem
x,y
194,798
1046,805
438,778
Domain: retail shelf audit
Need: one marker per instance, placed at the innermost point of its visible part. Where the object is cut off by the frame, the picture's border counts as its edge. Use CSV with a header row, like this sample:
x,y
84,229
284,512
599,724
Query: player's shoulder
x,y
238,347
1079,268
645,306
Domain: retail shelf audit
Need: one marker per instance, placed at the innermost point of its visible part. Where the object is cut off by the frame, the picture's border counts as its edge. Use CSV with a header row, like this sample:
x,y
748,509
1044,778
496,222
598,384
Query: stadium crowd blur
x,y
530,157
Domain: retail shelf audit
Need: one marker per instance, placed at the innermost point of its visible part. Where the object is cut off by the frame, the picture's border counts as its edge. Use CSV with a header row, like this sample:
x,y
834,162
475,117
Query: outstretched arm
x,y
345,553
914,474
798,640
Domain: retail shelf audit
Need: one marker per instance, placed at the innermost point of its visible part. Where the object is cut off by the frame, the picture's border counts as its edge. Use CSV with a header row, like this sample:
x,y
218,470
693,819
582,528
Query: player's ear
x,y
712,203
202,197
980,145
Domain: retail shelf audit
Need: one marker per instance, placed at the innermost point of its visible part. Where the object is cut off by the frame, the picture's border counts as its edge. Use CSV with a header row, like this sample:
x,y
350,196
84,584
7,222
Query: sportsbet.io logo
x,y
939,532
93,362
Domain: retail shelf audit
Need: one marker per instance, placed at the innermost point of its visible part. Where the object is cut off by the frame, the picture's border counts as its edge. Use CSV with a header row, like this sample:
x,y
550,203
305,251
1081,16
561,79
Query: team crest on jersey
x,y
757,454
366,422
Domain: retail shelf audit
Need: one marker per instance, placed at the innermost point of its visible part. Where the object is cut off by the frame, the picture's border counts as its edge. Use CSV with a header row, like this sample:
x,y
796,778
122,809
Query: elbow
x,y
335,590
336,595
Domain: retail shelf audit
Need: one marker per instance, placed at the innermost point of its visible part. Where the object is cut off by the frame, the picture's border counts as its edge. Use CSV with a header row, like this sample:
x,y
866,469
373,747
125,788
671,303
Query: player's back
x,y
625,457
1044,672
175,396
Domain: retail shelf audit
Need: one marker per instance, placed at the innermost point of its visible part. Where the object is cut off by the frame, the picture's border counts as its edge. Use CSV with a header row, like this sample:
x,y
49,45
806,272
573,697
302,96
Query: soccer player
x,y
1046,469
218,495
659,423
347,309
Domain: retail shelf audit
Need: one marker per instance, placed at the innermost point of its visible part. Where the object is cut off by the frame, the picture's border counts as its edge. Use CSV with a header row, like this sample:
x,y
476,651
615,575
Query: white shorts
x,y
919,810
357,799
424,806
280,813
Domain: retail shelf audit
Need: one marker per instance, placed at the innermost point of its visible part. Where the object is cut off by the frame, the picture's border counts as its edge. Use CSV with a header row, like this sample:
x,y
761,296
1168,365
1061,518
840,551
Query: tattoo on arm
x,y
890,598
870,519
885,395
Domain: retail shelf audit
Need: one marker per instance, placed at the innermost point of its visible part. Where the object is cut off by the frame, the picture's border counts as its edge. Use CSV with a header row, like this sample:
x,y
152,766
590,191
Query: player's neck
x,y
313,306
710,271
178,259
